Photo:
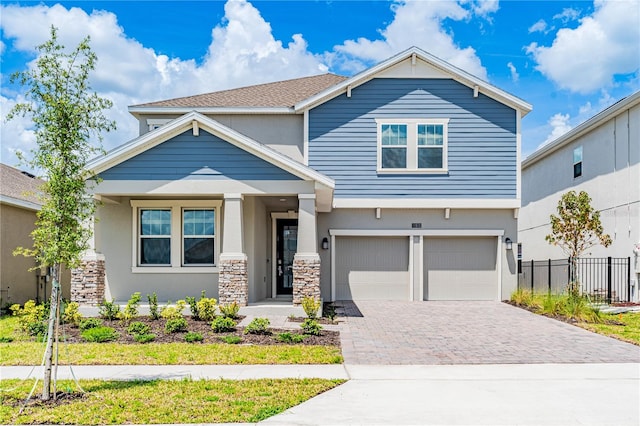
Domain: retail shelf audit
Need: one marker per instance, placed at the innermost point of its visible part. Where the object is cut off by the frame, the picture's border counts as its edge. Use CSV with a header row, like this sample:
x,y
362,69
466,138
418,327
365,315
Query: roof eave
x,y
583,128
139,110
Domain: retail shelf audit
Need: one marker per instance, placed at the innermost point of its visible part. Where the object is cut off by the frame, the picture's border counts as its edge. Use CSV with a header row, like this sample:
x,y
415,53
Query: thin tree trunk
x,y
53,318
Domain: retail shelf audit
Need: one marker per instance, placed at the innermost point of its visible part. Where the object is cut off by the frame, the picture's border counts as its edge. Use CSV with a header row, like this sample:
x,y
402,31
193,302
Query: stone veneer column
x,y
306,262
88,280
233,281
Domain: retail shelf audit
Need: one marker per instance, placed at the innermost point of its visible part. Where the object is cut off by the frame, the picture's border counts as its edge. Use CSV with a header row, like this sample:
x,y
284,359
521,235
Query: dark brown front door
x,y
286,245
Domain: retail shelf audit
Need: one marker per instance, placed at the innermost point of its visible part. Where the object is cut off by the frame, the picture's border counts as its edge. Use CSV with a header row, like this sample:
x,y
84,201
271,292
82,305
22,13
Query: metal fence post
x,y
531,275
609,279
549,275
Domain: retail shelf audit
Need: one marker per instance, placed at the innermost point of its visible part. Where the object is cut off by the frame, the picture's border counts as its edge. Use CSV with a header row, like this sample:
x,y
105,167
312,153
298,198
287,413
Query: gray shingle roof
x,y
18,185
278,94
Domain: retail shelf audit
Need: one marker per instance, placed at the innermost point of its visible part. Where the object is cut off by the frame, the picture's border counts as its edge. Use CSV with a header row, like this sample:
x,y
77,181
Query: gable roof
x,y
415,53
19,188
279,94
188,121
578,131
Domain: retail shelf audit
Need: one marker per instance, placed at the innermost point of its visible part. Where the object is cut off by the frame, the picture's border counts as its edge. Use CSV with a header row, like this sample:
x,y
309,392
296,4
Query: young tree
x,y
65,114
576,229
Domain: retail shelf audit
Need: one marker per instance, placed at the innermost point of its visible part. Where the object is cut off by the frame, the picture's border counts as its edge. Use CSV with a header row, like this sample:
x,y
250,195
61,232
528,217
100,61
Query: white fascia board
x,y
580,130
181,124
135,110
16,202
456,73
412,232
426,203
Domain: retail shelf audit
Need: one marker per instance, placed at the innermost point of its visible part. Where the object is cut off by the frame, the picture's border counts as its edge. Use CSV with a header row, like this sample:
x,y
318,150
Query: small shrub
x,y
37,329
330,311
258,326
193,337
231,340
176,325
72,314
230,310
193,307
311,327
28,315
173,312
288,337
6,339
131,310
207,308
109,310
100,334
138,327
223,324
153,306
144,338
89,323
311,306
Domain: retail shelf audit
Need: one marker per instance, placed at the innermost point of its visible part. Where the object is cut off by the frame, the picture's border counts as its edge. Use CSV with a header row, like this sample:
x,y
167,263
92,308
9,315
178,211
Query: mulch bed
x,y
322,320
328,338
558,317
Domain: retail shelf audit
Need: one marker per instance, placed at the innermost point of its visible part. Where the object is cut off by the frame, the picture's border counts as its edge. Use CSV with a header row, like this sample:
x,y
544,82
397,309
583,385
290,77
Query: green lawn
x,y
149,402
629,331
23,351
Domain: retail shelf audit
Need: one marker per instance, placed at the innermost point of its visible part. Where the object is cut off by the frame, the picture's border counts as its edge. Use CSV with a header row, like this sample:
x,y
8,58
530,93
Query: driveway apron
x,y
396,332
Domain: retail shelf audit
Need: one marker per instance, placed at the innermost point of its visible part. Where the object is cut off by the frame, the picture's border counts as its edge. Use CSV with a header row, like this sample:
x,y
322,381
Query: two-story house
x,y
401,182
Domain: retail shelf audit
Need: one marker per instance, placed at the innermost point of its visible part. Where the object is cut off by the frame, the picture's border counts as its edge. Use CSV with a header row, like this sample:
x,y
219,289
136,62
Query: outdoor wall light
x,y
508,243
325,243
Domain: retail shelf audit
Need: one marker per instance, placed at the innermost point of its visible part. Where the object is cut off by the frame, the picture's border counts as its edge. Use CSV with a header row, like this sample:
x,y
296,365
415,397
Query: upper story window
x,y
577,162
175,235
412,145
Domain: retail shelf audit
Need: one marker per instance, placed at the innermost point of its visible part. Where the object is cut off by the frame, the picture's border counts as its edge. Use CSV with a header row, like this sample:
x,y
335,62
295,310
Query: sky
x,y
569,59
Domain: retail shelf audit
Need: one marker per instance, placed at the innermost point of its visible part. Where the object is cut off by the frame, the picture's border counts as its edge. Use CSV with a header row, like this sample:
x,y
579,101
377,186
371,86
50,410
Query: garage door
x,y
460,268
372,268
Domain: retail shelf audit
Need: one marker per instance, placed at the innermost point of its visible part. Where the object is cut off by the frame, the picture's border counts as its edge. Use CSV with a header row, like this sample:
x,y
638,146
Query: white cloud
x,y
514,72
539,27
567,15
484,8
416,23
559,126
589,57
243,51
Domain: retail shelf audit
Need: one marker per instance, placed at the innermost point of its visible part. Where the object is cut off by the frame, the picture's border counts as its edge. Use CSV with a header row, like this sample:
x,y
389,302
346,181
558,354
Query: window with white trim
x,y
175,235
412,145
577,162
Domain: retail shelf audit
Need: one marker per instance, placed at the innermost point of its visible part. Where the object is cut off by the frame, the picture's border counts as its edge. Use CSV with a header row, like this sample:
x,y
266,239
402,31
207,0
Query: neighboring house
x,y
600,156
401,182
19,202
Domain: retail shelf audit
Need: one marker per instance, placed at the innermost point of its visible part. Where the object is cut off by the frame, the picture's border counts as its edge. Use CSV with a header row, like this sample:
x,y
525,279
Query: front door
x,y
286,245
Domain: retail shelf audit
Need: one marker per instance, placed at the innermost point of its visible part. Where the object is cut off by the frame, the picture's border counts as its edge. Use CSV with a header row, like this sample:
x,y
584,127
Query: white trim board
x,y
15,202
423,232
426,203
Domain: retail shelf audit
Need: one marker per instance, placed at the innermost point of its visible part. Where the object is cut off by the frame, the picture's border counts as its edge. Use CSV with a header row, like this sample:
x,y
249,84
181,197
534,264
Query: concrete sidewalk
x,y
523,394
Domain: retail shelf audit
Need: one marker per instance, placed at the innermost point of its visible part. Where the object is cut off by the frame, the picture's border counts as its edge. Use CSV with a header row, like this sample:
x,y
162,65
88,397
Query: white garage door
x,y
460,268
372,268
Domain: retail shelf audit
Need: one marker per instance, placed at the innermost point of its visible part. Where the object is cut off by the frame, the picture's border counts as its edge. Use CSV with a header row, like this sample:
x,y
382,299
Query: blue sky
x,y
569,59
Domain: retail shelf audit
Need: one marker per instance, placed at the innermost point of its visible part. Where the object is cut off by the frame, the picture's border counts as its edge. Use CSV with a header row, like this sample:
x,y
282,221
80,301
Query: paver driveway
x,y
386,332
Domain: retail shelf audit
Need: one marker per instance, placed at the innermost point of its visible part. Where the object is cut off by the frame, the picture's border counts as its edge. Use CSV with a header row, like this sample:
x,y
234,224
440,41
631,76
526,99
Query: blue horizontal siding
x,y
204,157
482,157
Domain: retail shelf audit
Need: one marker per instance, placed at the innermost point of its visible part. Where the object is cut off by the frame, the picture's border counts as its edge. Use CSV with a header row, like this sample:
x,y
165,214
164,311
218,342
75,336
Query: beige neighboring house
x,y
602,157
19,203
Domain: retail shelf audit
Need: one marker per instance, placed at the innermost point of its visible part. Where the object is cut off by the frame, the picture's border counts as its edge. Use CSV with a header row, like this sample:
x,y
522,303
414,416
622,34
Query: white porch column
x,y
306,262
233,282
88,279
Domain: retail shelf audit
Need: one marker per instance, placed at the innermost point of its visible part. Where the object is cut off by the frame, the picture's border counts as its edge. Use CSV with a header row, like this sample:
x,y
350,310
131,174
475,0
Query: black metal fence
x,y
603,279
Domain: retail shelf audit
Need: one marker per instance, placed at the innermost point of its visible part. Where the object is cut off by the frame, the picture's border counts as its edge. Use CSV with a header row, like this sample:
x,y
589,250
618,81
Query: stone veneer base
x,y
306,279
87,282
233,282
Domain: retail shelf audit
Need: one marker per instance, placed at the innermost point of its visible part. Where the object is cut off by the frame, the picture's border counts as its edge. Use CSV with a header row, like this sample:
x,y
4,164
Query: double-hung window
x,y
175,235
412,145
577,162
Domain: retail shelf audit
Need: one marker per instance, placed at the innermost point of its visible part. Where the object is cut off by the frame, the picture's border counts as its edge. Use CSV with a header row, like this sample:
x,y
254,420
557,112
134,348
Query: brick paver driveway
x,y
376,332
